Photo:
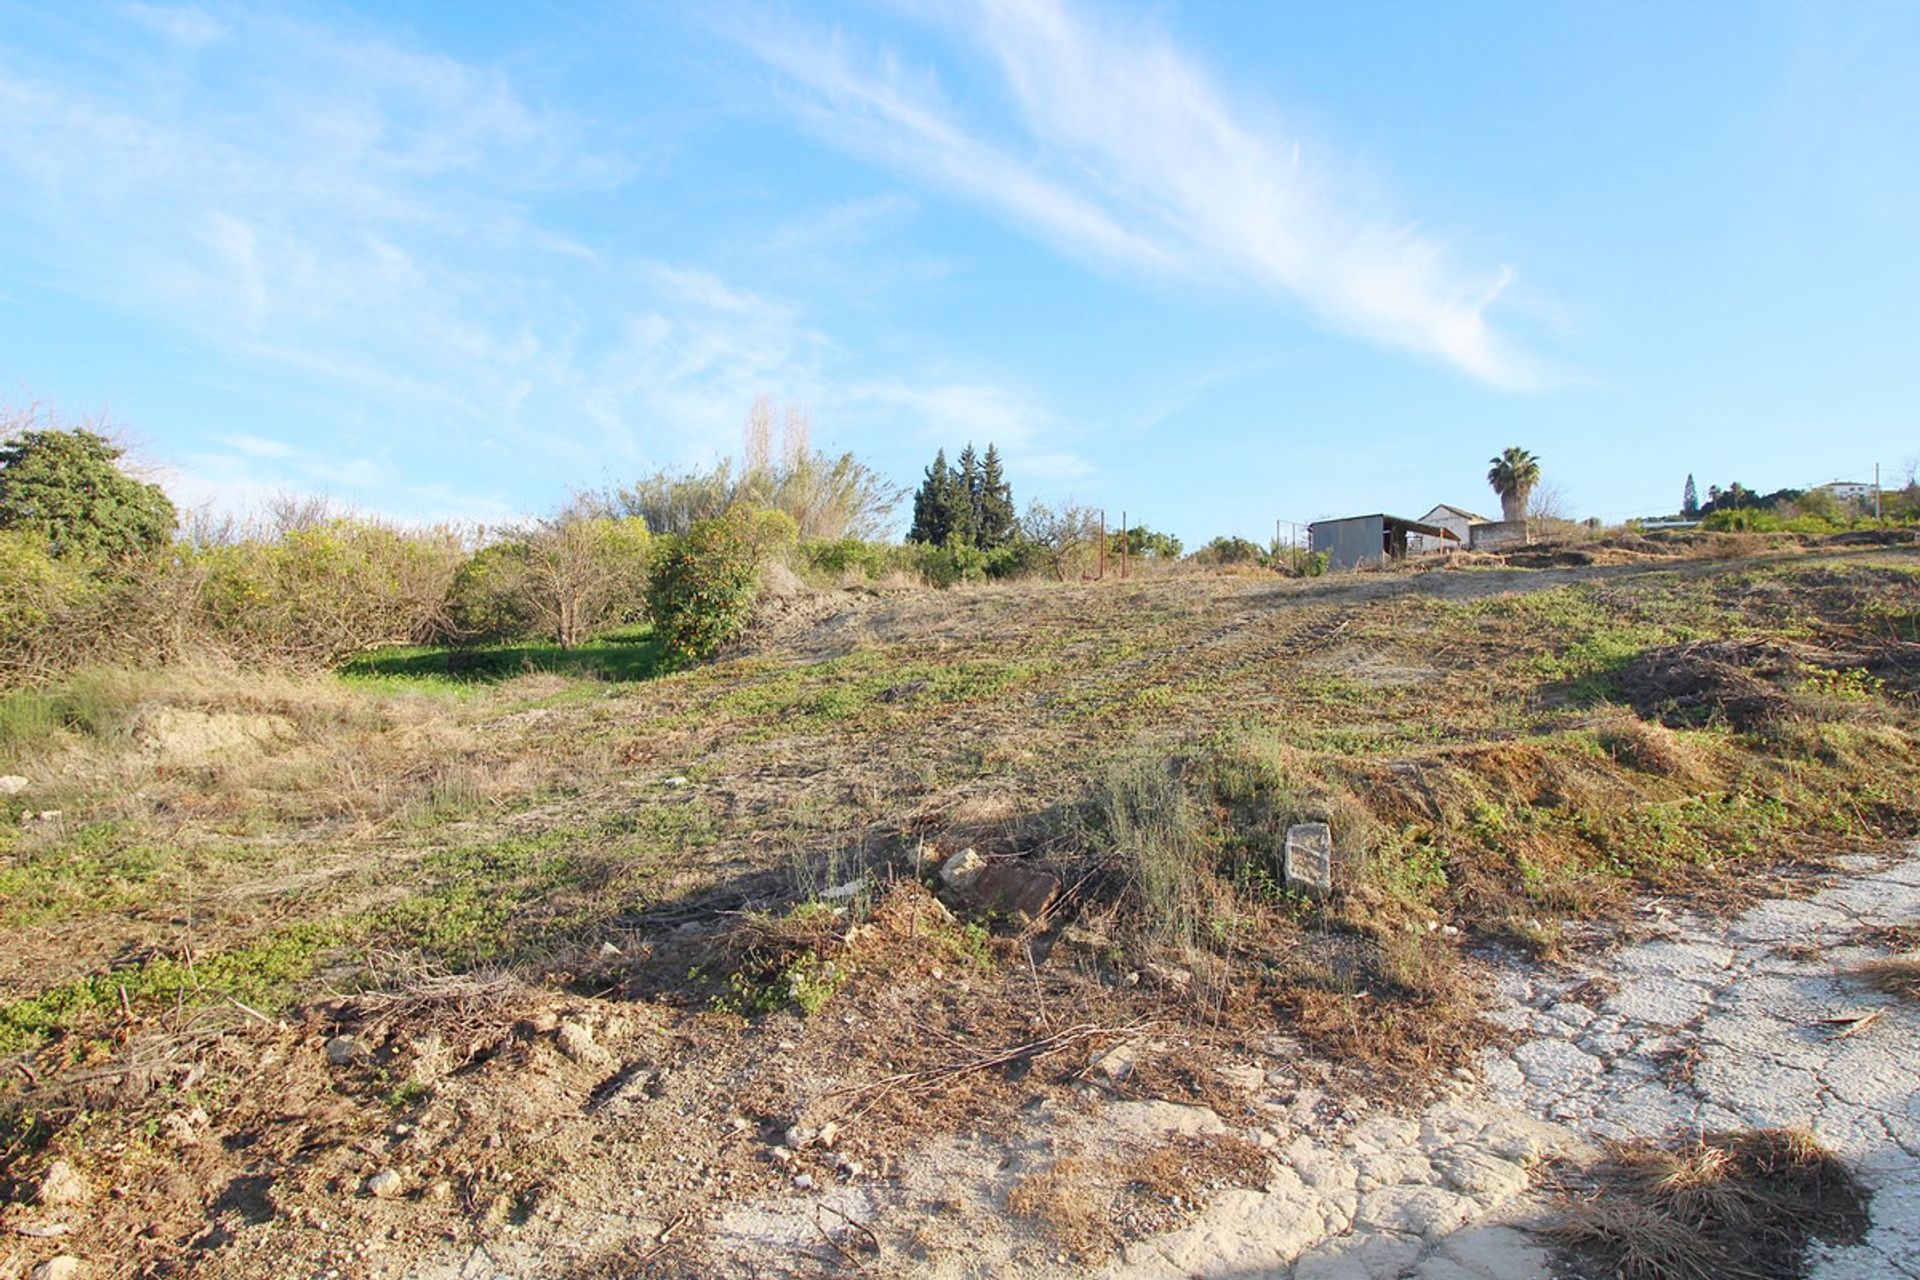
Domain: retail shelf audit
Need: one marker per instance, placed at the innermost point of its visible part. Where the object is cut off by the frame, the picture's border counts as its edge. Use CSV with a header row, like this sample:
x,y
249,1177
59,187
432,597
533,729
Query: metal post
x,y
1103,546
1126,544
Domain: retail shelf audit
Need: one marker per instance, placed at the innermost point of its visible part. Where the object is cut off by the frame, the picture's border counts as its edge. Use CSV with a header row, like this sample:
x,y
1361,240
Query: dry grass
x,y
1646,746
685,820
1728,1206
1088,1205
1895,975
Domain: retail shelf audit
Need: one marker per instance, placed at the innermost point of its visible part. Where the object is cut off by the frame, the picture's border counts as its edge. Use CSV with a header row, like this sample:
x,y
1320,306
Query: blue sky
x,y
1211,264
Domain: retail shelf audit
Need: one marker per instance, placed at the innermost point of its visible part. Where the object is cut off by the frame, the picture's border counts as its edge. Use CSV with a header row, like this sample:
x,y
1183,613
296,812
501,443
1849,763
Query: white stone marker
x,y
1309,866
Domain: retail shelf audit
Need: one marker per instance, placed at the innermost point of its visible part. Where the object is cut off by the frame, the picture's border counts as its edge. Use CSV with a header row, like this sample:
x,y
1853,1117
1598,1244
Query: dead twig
x,y
1033,1050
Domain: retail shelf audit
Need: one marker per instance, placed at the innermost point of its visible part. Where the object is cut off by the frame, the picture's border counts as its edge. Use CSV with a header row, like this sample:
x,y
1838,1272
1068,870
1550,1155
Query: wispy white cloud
x,y
375,228
1125,148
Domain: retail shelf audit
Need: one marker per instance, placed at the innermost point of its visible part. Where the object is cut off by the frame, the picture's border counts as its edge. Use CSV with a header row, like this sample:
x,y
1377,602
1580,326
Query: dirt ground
x,y
589,978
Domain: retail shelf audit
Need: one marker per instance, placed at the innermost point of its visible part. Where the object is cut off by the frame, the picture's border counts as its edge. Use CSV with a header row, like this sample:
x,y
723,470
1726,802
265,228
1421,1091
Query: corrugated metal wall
x,y
1349,543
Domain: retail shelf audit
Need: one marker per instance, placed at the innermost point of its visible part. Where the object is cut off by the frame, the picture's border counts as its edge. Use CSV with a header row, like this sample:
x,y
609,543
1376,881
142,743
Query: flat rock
x,y
62,1184
1009,887
960,870
1309,858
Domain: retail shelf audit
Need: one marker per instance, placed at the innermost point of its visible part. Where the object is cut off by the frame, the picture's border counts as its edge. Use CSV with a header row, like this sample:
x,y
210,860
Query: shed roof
x,y
1398,522
1459,511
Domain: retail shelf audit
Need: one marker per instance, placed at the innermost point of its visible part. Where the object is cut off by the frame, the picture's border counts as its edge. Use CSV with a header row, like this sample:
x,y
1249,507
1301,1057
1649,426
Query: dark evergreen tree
x,y
1690,503
966,504
999,523
933,504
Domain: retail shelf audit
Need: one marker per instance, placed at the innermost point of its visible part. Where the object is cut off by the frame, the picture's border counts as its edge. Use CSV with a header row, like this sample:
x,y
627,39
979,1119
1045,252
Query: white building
x,y
1848,490
1455,520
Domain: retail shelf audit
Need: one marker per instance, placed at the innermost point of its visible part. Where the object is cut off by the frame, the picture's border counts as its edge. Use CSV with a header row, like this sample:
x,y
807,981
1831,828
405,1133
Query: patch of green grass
x,y
100,868
88,704
630,654
467,911
870,682
262,975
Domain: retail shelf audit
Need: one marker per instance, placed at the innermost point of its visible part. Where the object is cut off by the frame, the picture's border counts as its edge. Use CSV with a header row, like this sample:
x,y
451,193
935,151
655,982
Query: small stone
x,y
577,1043
962,869
1006,886
828,1132
385,1185
799,1138
740,1124
344,1051
63,1185
1171,976
1119,1062
803,1181
64,1267
440,1192
782,1155
13,784
1309,858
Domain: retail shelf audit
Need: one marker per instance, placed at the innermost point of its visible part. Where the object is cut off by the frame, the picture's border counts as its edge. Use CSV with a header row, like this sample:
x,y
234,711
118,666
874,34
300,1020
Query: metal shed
x,y
1355,541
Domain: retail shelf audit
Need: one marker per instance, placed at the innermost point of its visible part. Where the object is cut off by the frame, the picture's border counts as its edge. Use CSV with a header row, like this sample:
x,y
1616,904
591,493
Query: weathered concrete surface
x,y
1716,1024
1702,1024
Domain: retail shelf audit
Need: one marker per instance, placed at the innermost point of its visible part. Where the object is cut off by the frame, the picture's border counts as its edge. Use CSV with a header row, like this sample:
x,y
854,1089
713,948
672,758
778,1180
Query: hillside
x,y
570,956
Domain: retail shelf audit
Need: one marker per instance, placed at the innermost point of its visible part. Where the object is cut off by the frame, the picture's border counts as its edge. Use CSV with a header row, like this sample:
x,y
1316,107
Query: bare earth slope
x,y
585,978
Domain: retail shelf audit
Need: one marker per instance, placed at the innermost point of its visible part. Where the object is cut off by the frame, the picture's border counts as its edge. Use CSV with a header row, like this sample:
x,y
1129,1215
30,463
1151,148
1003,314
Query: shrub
x,y
826,497
315,596
66,488
1227,551
952,563
704,583
1018,559
482,603
566,578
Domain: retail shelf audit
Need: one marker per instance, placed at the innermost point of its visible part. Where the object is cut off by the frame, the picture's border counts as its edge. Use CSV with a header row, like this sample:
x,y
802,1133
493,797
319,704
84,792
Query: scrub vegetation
x,y
472,903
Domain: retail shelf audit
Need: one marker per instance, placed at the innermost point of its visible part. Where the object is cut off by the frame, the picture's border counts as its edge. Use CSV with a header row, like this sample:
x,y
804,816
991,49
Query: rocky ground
x,y
1697,1024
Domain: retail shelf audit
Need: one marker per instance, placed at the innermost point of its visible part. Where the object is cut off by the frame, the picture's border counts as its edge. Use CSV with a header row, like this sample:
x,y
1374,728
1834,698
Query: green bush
x,y
484,604
1760,520
704,583
1018,559
315,596
66,489
952,563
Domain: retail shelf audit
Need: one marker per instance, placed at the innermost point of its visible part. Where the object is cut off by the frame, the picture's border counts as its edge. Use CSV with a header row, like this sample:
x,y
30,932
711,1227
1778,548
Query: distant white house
x,y
1455,520
1848,490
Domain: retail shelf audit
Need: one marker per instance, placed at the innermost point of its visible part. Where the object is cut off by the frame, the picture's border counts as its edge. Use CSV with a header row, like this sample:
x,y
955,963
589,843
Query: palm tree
x,y
1513,476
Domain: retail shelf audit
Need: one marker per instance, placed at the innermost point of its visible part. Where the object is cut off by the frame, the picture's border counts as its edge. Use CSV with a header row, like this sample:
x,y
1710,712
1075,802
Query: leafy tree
x,y
1690,500
1140,541
67,488
998,523
1513,475
828,497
